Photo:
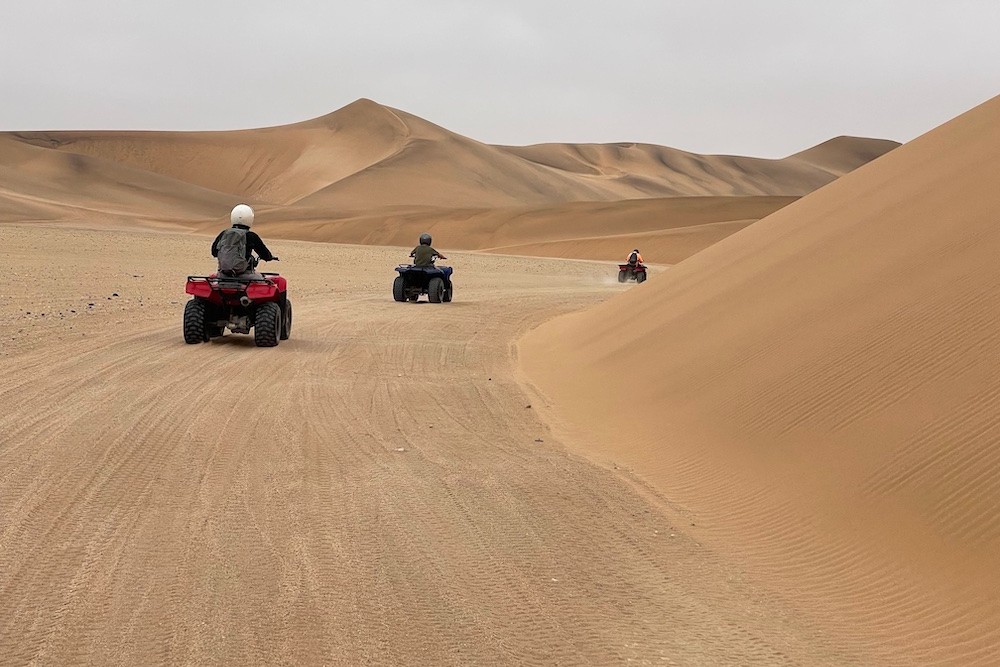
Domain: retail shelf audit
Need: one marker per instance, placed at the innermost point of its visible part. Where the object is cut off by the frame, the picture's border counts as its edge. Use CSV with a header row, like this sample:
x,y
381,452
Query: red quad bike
x,y
219,302
628,272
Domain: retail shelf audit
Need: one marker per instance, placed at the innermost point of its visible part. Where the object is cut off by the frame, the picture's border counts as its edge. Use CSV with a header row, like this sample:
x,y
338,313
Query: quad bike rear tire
x,y
640,276
267,325
622,276
286,321
435,290
398,291
195,330
449,292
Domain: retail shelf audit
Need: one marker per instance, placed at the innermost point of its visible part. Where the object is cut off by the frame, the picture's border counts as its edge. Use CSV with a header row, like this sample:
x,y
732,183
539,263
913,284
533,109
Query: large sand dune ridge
x,y
367,156
352,174
821,391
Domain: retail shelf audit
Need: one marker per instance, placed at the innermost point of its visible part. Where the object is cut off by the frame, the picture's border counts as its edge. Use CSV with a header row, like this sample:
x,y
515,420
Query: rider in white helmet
x,y
233,246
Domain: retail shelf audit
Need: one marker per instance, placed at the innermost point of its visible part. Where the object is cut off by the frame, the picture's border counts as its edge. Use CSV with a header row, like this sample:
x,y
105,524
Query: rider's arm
x,y
440,256
215,245
255,243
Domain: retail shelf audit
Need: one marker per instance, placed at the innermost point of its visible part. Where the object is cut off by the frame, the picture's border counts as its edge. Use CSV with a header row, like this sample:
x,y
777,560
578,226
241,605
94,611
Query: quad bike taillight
x,y
260,290
200,288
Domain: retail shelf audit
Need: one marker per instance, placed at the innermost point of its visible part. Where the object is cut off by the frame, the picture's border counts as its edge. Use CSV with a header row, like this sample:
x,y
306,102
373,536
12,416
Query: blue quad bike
x,y
412,281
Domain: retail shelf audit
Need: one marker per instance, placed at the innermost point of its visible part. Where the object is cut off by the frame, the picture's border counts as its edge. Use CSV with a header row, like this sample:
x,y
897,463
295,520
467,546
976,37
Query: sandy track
x,y
373,490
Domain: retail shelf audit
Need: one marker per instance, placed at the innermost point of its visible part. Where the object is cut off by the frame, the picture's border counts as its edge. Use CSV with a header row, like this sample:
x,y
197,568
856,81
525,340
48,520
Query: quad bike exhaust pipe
x,y
244,301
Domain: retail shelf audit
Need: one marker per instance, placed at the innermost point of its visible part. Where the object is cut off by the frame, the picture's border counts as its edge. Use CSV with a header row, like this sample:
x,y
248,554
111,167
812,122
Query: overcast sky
x,y
754,77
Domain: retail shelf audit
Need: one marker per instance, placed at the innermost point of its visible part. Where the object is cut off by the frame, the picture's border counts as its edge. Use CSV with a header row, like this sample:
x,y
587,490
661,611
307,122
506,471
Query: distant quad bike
x,y
627,272
412,281
219,302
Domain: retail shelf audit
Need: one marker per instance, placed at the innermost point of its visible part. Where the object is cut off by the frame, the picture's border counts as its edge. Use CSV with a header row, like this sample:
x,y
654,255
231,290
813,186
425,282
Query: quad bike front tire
x,y
286,321
435,290
449,292
195,330
622,276
399,289
267,325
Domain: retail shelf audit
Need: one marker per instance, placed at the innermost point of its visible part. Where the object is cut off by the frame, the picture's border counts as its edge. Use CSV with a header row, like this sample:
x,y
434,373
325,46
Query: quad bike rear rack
x,y
227,279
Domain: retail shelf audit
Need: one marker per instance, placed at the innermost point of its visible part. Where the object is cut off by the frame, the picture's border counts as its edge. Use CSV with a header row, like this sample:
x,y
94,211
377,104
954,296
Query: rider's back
x,y
423,255
232,249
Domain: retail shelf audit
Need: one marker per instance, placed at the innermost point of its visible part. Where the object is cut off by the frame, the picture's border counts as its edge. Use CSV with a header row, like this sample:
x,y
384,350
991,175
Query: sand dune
x,y
442,169
660,171
820,393
365,167
39,184
277,165
841,155
367,156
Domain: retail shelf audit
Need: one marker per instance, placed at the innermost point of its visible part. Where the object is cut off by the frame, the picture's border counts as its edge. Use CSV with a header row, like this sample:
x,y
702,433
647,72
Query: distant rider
x,y
634,258
424,254
233,246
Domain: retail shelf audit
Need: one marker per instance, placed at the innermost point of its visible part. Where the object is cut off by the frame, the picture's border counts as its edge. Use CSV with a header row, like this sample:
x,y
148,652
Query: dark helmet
x,y
425,239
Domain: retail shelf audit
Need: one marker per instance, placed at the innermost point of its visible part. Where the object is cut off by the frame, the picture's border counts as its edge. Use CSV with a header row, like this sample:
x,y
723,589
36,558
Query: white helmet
x,y
242,215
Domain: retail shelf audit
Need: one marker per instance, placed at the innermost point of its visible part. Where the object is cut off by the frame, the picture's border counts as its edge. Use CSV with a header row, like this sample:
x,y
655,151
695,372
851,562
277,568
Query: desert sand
x,y
377,489
819,393
778,450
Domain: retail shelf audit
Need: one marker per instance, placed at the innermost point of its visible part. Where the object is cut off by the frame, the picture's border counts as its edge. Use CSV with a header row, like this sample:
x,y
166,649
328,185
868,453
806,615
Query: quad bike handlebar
x,y
255,260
